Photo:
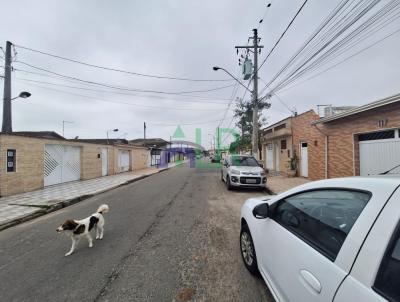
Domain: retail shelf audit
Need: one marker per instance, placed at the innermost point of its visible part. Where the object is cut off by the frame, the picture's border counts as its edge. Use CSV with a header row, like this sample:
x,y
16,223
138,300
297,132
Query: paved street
x,y
170,237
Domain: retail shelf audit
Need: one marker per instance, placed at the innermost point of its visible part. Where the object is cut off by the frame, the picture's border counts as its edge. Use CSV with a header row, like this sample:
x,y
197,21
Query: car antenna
x,y
386,172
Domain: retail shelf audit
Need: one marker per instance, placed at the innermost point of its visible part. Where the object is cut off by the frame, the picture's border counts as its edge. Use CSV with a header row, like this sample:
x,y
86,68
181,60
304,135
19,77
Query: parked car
x,y
330,240
242,171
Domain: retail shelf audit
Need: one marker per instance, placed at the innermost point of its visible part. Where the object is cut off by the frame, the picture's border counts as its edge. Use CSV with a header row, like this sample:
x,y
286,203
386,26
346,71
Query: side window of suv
x,y
386,282
322,218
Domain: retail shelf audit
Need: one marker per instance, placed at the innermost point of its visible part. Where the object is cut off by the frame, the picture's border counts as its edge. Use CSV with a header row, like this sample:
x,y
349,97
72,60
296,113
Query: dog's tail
x,y
103,209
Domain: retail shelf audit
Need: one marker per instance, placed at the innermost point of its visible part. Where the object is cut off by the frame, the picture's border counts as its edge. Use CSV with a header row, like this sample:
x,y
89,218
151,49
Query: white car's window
x,y
322,218
244,161
386,282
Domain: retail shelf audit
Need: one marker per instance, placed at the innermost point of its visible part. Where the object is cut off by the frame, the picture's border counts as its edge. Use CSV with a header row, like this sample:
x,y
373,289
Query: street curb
x,y
69,202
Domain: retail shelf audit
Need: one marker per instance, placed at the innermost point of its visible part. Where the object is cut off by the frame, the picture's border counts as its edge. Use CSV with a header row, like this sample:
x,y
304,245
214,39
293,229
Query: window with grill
x,y
11,160
376,135
283,144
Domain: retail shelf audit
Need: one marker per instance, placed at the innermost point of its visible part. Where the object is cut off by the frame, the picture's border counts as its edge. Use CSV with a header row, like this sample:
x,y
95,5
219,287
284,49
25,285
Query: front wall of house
x,y
140,158
91,161
282,154
29,165
29,175
343,143
303,131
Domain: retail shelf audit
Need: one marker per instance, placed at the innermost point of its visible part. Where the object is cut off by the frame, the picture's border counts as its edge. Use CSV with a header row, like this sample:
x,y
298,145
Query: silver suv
x,y
242,171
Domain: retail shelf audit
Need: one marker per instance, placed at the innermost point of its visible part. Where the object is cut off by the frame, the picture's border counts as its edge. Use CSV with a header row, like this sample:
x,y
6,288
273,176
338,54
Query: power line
x,y
316,56
340,46
284,32
92,85
184,124
302,48
342,61
121,102
233,117
265,14
120,87
119,70
116,92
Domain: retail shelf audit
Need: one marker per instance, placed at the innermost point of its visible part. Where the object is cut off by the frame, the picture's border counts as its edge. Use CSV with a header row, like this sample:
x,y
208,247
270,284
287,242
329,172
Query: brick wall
x,y
343,153
29,173
140,158
29,165
303,131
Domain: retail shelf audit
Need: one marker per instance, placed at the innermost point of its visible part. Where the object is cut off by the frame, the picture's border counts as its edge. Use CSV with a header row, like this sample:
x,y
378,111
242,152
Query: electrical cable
x,y
120,87
120,102
118,70
117,92
282,35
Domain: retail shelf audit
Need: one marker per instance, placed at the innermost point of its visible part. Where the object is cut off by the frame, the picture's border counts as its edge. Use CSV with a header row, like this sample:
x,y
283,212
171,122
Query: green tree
x,y
244,115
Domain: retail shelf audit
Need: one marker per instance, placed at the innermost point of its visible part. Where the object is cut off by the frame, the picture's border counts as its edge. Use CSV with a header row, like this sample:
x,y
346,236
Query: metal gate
x,y
61,164
377,156
123,160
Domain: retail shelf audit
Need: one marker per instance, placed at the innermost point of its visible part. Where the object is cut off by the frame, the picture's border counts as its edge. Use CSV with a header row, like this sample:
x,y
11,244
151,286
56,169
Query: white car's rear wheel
x,y
247,250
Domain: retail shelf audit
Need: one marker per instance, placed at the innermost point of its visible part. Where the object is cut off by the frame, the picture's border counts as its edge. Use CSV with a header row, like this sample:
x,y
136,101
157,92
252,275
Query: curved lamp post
x,y
23,95
111,130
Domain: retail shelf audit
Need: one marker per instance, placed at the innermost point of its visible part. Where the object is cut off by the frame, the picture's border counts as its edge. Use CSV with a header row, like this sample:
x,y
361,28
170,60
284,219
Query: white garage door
x,y
61,164
379,155
123,160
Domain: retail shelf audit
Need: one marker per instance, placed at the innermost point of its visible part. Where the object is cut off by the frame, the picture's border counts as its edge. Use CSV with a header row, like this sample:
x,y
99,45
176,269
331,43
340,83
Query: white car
x,y
242,171
329,240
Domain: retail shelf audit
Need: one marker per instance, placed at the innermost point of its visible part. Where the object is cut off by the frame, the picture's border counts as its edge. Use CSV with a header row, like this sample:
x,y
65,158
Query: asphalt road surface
x,y
170,237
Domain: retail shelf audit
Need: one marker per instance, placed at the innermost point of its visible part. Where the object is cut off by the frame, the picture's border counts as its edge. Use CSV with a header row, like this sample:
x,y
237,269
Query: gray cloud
x,y
177,38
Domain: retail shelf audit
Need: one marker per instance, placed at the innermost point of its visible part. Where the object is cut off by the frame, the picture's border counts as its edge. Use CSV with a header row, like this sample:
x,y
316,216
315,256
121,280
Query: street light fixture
x,y
216,68
111,130
23,95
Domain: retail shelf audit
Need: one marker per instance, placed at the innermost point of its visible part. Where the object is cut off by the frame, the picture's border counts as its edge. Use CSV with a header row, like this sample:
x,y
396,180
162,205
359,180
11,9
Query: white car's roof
x,y
368,183
382,184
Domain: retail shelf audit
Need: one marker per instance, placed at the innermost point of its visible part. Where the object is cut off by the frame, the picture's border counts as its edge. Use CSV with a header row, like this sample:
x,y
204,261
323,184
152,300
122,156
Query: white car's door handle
x,y
311,281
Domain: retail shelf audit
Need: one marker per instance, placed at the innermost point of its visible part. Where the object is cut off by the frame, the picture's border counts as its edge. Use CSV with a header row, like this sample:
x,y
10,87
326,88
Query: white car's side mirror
x,y
261,211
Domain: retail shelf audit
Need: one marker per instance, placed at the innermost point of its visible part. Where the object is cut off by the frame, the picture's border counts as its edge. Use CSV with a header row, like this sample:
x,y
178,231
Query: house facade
x,y
33,160
362,140
294,137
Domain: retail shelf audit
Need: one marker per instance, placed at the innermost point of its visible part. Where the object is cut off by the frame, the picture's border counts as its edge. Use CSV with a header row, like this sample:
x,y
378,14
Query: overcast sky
x,y
179,39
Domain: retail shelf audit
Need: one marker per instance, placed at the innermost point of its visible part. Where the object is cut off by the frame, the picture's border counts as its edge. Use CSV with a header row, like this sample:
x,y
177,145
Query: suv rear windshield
x,y
244,161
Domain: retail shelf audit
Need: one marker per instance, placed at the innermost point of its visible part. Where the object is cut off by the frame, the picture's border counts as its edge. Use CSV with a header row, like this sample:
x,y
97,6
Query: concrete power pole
x,y
254,48
144,130
255,97
7,123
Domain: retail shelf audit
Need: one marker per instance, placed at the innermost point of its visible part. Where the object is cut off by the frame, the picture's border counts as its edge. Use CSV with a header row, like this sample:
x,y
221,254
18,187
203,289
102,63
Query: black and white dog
x,y
76,229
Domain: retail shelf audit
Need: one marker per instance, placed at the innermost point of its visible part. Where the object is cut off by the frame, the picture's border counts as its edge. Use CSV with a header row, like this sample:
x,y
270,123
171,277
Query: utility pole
x,y
63,122
7,123
144,130
255,48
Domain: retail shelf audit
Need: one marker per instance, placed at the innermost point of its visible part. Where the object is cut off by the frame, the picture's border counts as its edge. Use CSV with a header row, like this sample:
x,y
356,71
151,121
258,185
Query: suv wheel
x,y
247,250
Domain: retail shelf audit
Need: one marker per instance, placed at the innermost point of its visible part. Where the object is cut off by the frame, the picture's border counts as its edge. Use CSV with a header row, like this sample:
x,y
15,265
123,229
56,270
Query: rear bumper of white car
x,y
248,181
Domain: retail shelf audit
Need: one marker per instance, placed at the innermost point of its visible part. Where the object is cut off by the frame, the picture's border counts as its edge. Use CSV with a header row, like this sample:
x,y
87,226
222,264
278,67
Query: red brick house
x,y
294,136
363,141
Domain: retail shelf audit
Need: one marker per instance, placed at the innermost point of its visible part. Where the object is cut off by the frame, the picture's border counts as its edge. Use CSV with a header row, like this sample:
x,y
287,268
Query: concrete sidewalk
x,y
23,207
279,184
